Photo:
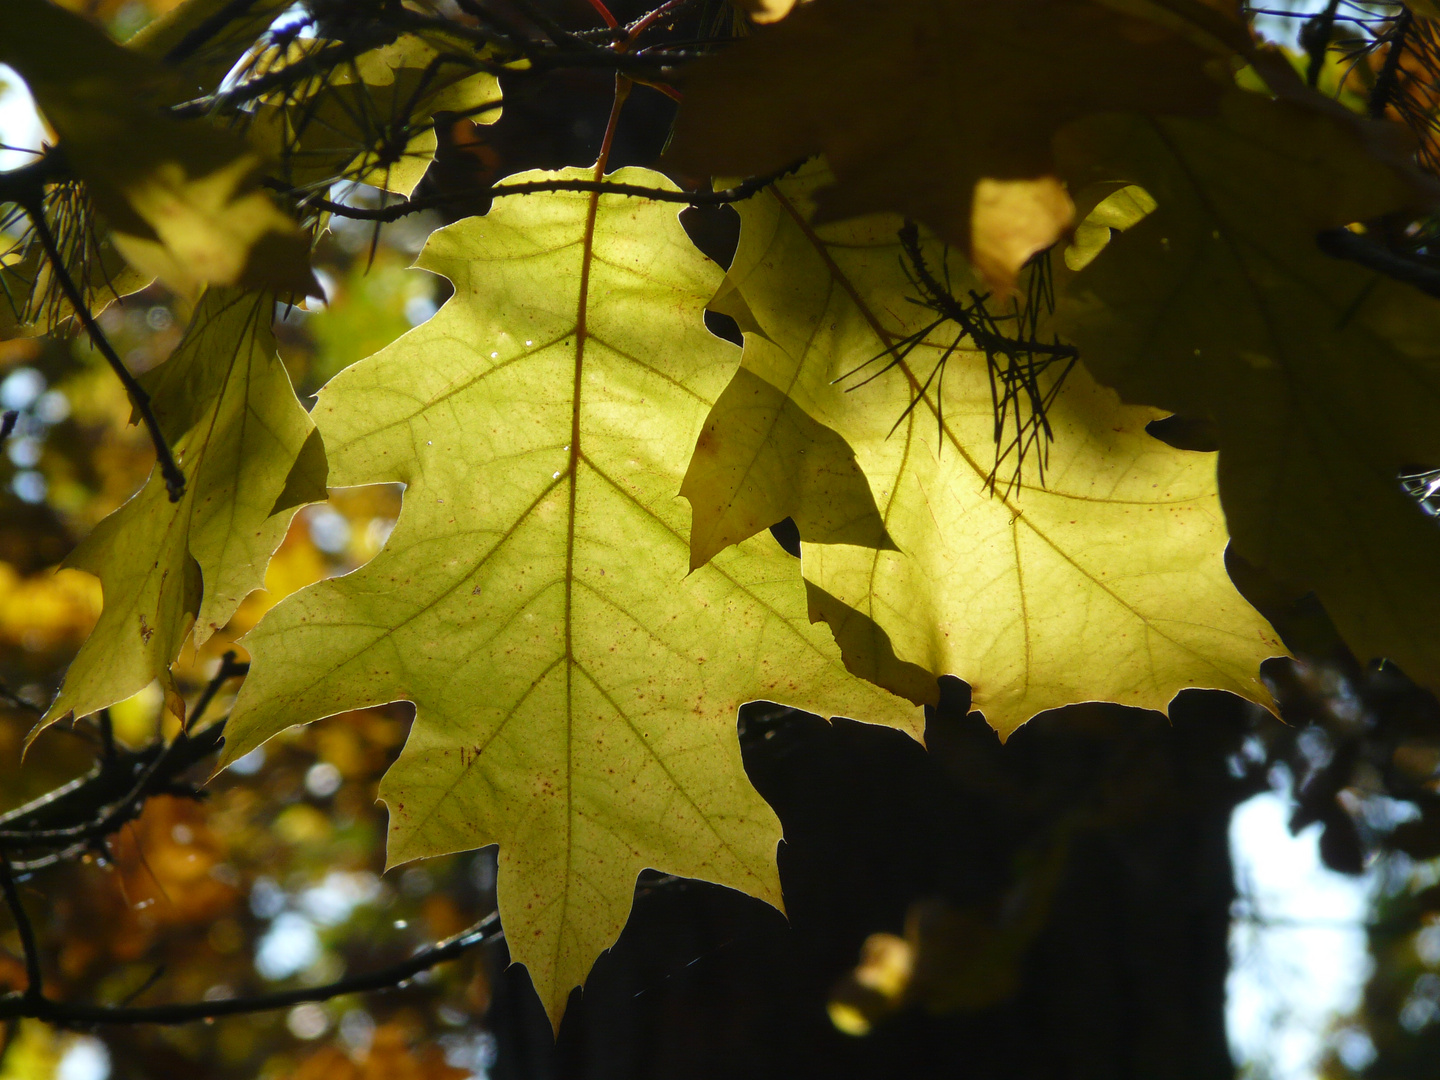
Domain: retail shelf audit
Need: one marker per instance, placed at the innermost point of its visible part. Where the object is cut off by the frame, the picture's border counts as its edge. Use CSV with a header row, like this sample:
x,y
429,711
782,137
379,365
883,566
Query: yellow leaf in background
x,y
941,110
105,10
393,1054
1322,378
36,1052
575,687
209,225
249,455
46,611
183,199
409,71
1107,582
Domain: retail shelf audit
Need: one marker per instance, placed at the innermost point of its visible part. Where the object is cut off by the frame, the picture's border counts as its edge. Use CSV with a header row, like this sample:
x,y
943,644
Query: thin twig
x,y
307,67
207,29
174,478
504,29
107,737
229,669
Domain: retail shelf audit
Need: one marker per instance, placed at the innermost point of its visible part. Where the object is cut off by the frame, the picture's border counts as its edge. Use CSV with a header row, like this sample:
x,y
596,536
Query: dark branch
x,y
1358,248
52,820
566,49
1315,39
230,668
1388,81
207,29
322,60
35,991
28,182
506,53
174,478
65,1014
76,815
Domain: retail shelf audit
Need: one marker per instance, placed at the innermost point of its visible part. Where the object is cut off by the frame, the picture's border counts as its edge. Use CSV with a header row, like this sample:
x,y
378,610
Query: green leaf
x,y
183,199
225,403
100,271
575,690
1107,582
1321,377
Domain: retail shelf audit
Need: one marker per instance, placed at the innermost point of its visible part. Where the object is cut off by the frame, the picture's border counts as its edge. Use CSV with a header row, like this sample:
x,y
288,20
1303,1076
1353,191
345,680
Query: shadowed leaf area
x,y
952,120
1321,378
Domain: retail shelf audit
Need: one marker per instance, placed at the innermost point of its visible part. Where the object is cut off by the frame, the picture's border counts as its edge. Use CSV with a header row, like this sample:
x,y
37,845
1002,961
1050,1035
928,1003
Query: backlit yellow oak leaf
x,y
250,456
575,690
941,110
1322,378
1106,583
183,199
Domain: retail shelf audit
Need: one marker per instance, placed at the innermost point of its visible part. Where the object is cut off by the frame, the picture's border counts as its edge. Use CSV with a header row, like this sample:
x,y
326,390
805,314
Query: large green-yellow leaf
x,y
575,690
941,110
250,456
183,199
1106,583
1322,378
